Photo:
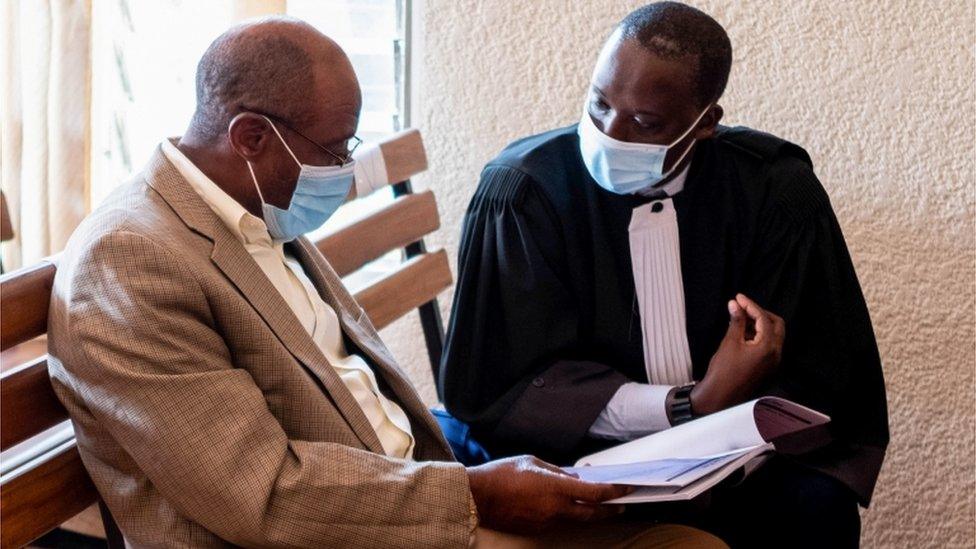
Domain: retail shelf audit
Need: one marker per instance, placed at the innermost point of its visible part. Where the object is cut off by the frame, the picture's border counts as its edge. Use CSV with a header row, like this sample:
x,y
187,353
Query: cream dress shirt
x,y
319,319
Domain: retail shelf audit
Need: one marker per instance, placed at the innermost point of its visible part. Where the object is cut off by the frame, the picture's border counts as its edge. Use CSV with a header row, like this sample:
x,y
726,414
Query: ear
x,y
709,123
250,135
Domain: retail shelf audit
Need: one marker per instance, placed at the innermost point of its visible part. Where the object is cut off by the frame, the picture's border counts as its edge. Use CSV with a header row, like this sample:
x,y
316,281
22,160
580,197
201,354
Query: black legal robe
x,y
545,324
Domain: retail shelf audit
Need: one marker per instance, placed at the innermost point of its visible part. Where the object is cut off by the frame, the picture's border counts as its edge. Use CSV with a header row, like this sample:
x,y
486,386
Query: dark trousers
x,y
784,505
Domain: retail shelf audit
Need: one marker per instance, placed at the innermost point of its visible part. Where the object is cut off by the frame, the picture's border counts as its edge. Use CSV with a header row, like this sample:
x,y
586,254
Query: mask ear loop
x,y
687,149
250,168
675,166
255,180
283,142
693,125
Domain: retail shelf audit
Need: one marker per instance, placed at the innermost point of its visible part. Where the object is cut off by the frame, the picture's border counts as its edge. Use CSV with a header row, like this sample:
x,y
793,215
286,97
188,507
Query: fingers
x,y
584,512
751,307
593,492
779,325
770,329
761,317
552,468
737,321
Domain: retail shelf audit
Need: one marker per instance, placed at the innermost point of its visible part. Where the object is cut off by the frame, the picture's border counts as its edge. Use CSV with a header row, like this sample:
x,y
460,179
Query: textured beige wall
x,y
880,93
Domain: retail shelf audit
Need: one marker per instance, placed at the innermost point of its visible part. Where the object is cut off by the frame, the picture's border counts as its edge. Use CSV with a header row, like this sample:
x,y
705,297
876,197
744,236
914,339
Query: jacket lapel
x,y
358,328
230,256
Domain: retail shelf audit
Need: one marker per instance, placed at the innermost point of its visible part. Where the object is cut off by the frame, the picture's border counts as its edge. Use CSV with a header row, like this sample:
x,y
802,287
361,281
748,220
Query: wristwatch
x,y
678,404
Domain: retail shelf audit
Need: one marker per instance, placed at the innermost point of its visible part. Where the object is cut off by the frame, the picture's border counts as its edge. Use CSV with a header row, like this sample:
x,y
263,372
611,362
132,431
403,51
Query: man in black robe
x,y
554,349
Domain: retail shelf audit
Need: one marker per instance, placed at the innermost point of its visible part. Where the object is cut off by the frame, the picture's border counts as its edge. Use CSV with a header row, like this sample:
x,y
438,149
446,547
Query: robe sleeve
x,y
802,271
508,367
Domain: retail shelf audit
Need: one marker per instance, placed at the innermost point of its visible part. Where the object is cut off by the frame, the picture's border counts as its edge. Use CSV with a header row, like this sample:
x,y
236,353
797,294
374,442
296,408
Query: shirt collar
x,y
242,224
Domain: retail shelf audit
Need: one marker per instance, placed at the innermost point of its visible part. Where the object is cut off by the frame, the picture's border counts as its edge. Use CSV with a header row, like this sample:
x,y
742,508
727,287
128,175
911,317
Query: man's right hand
x,y
525,495
748,354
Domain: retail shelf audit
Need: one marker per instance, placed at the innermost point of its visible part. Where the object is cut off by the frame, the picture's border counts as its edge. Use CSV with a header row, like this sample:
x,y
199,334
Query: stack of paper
x,y
684,461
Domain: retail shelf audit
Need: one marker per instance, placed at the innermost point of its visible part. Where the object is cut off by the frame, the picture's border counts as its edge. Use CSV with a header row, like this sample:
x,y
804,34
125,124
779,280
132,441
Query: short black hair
x,y
240,71
672,30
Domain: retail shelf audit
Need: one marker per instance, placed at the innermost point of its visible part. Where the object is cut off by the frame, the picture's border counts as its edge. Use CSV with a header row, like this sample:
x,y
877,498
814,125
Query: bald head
x,y
279,66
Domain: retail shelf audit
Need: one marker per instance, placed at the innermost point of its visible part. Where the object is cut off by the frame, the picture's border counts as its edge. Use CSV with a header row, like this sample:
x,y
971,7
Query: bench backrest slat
x,y
406,220
414,283
44,496
28,404
24,298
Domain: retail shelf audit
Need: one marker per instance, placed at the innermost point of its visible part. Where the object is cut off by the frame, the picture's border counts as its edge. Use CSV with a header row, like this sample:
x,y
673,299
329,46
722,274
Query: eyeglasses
x,y
342,159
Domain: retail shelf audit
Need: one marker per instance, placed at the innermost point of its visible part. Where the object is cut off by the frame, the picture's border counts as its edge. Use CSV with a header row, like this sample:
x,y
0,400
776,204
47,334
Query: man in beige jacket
x,y
224,386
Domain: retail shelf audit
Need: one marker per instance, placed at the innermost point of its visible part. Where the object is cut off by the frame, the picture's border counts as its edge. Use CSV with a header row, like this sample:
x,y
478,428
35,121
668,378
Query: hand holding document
x,y
684,461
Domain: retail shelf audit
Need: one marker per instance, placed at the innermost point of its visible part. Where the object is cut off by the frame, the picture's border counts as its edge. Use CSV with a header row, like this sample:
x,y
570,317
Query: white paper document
x,y
684,461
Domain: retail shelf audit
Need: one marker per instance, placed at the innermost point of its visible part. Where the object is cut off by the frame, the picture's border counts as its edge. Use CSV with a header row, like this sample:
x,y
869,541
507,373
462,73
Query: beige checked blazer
x,y
205,413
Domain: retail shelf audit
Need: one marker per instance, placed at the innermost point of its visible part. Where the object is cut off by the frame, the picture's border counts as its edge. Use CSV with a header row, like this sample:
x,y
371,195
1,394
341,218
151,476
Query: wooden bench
x,y
48,484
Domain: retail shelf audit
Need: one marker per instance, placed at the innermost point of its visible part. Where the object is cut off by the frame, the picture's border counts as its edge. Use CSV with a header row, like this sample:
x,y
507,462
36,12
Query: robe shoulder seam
x,y
503,183
797,193
761,145
506,187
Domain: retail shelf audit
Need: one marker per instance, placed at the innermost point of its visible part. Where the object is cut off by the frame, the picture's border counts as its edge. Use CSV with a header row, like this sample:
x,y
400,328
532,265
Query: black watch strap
x,y
679,405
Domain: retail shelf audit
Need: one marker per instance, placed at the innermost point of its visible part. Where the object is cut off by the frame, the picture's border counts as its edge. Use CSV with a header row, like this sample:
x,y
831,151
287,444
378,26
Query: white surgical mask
x,y
622,167
319,192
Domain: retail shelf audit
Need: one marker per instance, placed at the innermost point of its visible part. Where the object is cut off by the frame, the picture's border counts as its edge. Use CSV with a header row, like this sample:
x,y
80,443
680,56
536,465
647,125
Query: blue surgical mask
x,y
319,192
622,167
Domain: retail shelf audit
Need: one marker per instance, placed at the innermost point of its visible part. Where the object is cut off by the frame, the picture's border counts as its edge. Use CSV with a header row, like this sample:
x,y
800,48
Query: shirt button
x,y
656,207
538,382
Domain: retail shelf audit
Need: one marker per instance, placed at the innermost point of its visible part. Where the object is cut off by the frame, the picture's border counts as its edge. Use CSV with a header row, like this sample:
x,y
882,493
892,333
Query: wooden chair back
x,y
50,485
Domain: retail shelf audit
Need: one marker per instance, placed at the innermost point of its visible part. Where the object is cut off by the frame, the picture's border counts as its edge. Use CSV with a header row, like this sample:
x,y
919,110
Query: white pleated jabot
x,y
656,262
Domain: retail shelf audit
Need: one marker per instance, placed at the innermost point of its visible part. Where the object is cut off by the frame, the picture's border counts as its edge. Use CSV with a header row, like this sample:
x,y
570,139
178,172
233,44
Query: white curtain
x,y
46,110
45,116
245,9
